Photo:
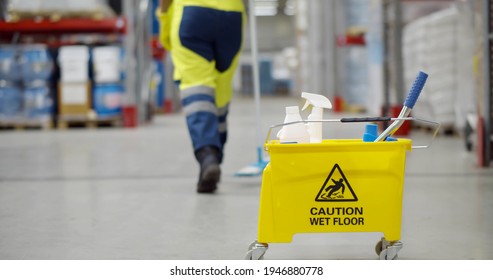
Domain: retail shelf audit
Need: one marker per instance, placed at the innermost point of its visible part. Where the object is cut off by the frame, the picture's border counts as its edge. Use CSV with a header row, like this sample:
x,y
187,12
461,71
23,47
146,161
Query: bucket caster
x,y
256,251
388,250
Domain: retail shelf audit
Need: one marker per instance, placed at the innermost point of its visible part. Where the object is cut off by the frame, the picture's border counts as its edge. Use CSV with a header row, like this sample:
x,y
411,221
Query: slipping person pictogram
x,y
338,185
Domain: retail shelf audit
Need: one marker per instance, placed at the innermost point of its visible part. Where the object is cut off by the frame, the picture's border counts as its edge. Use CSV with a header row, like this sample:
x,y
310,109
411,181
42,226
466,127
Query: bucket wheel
x,y
388,250
256,251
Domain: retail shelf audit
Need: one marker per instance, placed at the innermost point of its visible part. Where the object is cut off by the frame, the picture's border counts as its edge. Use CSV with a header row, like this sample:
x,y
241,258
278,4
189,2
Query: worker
x,y
204,38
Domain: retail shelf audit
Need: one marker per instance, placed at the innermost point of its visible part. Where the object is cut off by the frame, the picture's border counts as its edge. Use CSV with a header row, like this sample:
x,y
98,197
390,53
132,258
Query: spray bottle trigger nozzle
x,y
307,103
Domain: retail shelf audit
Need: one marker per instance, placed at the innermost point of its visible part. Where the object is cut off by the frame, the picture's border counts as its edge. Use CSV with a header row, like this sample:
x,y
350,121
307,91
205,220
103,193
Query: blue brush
x,y
411,99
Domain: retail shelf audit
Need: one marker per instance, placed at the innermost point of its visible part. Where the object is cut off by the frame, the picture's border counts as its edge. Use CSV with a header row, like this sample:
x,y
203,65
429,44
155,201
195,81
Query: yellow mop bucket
x,y
334,186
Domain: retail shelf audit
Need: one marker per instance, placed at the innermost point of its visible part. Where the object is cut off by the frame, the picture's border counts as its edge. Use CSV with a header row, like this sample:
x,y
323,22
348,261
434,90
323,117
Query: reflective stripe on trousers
x,y
207,124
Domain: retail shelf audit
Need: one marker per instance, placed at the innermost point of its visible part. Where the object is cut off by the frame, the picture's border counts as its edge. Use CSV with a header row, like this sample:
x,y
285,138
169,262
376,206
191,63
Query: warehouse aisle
x,y
130,194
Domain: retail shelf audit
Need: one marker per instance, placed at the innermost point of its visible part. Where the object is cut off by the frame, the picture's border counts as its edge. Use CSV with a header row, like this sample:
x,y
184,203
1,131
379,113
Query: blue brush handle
x,y
418,85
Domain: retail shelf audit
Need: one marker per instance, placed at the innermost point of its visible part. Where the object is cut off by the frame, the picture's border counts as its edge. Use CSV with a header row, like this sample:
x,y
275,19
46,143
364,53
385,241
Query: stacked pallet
x,y
82,101
56,10
441,44
19,123
26,97
89,121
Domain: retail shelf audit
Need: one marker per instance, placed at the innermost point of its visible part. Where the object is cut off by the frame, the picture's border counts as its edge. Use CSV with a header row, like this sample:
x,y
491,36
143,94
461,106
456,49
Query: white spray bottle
x,y
293,133
319,102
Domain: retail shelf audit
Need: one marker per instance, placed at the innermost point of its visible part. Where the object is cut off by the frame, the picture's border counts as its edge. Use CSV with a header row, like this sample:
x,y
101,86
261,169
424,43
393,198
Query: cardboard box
x,y
74,98
107,64
74,64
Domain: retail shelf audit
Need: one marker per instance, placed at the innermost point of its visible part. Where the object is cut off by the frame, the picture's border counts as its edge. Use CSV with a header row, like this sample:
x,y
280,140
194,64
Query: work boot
x,y
210,172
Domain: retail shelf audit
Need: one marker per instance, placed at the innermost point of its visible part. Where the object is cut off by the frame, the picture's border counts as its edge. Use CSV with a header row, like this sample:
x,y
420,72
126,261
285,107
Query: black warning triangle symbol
x,y
336,188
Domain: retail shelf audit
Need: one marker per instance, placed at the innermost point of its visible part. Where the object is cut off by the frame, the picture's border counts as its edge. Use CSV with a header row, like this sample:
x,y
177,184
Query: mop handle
x,y
416,89
409,103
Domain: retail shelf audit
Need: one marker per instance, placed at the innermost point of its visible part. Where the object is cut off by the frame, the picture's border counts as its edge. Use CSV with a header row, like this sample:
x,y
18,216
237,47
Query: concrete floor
x,y
130,194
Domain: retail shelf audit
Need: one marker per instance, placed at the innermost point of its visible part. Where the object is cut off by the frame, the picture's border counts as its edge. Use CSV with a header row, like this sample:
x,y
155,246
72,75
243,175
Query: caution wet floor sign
x,y
335,186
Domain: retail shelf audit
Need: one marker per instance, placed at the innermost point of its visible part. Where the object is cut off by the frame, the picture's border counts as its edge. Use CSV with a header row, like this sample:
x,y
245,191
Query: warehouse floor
x,y
130,194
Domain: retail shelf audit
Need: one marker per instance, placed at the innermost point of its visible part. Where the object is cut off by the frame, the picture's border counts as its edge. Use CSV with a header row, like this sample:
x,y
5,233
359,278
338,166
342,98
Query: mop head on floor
x,y
254,169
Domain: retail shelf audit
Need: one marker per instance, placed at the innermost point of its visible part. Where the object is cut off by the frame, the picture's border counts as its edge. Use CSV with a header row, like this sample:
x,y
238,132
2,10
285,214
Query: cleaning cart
x,y
340,185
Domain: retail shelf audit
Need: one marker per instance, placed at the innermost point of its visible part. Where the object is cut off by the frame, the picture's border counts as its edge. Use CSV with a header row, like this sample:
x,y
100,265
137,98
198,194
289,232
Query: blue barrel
x,y
107,99
38,102
10,101
36,63
9,63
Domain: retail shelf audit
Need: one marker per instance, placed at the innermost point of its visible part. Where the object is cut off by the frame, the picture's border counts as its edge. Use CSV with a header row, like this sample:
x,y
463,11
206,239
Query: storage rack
x,y
485,113
131,27
52,32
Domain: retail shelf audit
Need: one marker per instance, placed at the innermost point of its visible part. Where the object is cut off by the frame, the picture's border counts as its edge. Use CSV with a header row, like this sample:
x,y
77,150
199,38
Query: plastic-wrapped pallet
x,y
441,45
18,9
24,6
440,54
414,56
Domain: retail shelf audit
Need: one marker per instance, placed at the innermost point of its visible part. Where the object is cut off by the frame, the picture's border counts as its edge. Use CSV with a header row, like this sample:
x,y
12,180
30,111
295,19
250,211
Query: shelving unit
x,y
55,34
130,28
485,112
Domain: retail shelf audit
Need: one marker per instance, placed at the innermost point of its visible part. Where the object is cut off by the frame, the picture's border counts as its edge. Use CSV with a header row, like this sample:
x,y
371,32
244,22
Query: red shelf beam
x,y
350,40
79,25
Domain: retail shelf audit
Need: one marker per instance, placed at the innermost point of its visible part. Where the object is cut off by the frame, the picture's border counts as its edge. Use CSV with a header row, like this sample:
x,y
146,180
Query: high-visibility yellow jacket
x,y
165,18
192,68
